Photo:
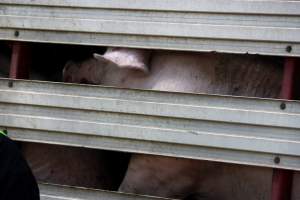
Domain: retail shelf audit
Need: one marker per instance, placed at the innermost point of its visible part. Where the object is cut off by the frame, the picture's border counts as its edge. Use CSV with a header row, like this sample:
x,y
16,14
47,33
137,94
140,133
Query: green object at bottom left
x,y
3,132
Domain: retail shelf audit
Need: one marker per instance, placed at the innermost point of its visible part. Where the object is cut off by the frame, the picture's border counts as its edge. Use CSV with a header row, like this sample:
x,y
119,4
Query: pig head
x,y
114,68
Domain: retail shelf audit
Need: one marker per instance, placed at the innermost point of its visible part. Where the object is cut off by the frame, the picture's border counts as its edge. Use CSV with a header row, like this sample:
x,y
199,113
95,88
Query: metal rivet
x,y
282,106
277,160
17,33
10,84
289,49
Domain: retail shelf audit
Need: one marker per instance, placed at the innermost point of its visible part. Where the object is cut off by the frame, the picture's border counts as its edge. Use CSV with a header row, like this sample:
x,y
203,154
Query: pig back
x,y
225,74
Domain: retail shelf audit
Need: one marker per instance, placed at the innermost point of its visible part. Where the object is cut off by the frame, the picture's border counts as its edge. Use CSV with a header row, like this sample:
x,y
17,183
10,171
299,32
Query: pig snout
x,y
86,72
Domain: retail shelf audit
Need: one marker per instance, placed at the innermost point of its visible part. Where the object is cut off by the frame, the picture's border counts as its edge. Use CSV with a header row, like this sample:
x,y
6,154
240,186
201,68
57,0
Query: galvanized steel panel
x,y
264,27
222,6
59,192
220,128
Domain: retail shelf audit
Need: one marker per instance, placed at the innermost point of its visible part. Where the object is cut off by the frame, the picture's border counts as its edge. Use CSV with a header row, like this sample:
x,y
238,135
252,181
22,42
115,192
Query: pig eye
x,y
84,81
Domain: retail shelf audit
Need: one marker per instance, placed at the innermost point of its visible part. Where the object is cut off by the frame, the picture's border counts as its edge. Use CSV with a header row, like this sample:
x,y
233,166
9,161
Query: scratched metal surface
x,y
229,129
268,27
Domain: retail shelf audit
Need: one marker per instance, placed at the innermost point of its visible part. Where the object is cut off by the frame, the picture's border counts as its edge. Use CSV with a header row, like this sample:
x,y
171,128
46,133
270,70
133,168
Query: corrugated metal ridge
x,y
60,192
211,127
256,27
216,6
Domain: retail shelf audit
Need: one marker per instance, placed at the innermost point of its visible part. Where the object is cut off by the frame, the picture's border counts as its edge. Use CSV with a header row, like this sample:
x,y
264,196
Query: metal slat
x,y
237,6
263,27
220,128
59,192
232,32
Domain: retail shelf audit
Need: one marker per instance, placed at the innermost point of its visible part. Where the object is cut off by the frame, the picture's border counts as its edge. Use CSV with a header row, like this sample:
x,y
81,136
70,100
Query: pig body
x,y
75,166
185,72
196,73
175,178
203,73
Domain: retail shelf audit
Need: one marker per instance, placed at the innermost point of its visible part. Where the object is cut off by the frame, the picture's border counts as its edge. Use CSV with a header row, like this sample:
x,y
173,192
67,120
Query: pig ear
x,y
137,59
102,59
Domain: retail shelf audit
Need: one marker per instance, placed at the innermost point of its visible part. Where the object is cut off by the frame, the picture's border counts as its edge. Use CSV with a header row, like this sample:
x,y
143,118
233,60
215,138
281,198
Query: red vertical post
x,y
20,61
287,90
283,179
282,184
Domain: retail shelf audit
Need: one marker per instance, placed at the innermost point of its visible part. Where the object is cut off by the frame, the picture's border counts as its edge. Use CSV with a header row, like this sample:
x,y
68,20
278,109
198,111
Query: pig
x,y
111,68
182,72
225,74
68,165
75,166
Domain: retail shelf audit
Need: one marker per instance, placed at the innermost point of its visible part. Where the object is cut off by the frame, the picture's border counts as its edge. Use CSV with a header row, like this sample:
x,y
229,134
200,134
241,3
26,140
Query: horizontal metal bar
x,y
223,128
134,24
60,192
232,32
187,44
237,6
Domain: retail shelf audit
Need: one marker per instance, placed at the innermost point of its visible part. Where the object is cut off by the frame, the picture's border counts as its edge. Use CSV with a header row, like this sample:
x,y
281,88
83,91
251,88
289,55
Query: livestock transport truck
x,y
40,36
